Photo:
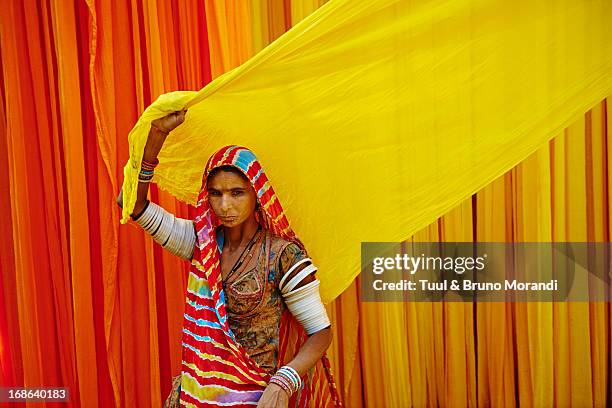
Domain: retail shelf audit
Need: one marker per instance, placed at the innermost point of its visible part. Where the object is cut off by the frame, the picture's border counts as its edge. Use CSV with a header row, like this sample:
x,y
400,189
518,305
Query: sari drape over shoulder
x,y
217,370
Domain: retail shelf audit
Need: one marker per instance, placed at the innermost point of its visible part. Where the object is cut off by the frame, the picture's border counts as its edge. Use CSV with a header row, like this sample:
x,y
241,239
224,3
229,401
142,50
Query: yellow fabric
x,y
379,116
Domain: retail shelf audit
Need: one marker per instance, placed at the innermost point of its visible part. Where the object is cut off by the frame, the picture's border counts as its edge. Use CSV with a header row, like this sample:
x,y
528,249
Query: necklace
x,y
246,251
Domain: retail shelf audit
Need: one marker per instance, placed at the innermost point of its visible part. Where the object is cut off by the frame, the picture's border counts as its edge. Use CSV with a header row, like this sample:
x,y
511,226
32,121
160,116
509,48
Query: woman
x,y
252,289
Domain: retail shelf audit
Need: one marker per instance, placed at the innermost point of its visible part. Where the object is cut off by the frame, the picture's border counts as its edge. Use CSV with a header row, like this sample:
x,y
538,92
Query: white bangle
x,y
306,305
177,235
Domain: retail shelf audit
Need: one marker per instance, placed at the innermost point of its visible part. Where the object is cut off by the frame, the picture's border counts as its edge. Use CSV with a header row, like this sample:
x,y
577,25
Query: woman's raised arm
x,y
160,128
177,235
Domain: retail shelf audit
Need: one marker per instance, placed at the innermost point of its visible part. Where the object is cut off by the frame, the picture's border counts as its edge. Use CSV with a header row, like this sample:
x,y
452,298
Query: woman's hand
x,y
170,122
273,397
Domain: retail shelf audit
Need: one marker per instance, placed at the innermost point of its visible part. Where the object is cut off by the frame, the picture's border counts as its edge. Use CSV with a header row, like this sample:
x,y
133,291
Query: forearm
x,y
177,235
311,351
154,144
283,383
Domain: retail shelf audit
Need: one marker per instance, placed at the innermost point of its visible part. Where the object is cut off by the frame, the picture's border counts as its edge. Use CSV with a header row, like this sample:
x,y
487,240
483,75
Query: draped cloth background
x,y
105,318
377,117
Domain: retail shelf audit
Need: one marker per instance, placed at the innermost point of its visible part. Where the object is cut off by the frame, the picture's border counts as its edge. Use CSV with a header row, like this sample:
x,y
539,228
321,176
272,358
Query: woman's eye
x,y
214,193
237,193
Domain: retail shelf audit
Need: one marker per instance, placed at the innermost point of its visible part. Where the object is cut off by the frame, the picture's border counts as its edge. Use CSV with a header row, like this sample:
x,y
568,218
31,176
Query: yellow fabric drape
x,y
395,111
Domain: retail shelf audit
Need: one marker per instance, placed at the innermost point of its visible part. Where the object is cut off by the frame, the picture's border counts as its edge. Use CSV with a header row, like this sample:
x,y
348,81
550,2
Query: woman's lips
x,y
228,218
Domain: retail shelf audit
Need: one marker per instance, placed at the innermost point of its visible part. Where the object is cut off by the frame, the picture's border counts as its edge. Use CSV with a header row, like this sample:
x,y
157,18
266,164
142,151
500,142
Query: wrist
x,y
156,129
139,209
149,158
288,379
276,387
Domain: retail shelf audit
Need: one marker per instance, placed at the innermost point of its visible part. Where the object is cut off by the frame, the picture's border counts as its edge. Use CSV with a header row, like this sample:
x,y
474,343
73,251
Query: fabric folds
x,y
379,116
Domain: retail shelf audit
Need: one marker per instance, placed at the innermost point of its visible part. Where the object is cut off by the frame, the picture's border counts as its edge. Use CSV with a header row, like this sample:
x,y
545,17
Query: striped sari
x,y
216,370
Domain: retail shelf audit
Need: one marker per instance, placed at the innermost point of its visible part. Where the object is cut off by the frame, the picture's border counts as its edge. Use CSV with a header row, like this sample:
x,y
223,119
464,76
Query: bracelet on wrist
x,y
147,170
284,386
149,164
288,379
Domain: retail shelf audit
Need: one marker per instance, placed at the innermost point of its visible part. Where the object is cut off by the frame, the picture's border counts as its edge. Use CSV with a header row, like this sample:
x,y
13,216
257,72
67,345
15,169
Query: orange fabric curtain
x,y
75,312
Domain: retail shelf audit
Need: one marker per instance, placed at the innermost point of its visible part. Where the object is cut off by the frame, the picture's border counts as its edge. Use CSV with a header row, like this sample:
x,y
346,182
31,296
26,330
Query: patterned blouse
x,y
254,302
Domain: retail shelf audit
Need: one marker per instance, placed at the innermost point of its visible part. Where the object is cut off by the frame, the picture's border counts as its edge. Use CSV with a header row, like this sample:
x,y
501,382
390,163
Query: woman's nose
x,y
225,203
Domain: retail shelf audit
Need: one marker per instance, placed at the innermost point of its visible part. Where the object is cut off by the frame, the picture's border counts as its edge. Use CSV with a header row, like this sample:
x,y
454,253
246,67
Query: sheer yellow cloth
x,y
373,118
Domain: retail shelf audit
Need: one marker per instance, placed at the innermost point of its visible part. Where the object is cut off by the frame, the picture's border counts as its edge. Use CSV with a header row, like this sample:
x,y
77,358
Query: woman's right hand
x,y
170,122
159,131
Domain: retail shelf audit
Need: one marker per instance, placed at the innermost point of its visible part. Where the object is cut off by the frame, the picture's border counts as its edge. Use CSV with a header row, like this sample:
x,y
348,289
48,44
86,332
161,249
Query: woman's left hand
x,y
273,397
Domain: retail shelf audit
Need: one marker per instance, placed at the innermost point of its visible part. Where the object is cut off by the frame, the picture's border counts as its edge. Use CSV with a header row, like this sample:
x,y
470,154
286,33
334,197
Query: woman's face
x,y
231,197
